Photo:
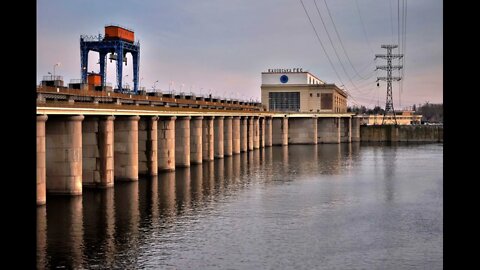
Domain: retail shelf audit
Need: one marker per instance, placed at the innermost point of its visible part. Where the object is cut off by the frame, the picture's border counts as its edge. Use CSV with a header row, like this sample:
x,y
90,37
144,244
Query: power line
x,y
363,27
331,42
341,43
321,43
391,17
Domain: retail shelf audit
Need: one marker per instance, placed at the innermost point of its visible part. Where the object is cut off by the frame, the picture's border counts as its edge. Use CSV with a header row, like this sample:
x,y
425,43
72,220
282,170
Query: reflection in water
x,y
196,184
182,190
264,204
167,195
127,219
41,236
329,156
389,159
99,225
64,232
208,178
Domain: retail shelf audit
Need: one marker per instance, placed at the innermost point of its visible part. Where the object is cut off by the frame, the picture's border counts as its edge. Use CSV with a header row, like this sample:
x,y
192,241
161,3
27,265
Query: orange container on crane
x,y
94,79
117,32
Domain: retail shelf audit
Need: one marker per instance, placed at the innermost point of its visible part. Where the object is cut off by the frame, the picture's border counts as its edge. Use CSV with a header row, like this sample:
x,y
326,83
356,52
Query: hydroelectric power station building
x,y
295,90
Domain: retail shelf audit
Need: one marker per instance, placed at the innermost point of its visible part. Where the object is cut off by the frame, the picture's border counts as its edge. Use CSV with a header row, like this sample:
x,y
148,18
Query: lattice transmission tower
x,y
389,56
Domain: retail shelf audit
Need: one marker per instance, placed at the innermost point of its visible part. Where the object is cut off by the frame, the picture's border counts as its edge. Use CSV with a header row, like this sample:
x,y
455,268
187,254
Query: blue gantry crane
x,y
117,41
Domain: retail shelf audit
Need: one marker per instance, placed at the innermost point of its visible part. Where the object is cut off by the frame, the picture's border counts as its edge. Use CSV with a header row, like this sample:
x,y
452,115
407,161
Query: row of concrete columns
x,y
75,152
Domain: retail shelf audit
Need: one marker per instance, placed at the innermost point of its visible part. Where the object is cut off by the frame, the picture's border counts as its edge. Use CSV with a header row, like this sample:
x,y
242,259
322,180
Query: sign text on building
x,y
285,70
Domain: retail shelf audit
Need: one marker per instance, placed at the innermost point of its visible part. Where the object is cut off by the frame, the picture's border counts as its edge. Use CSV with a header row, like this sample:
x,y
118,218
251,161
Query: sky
x,y
221,47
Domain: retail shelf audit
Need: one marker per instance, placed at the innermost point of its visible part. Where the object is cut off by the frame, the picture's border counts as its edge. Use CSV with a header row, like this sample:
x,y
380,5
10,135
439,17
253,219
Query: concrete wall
x,y
256,133
97,151
268,131
126,148
390,133
142,146
207,138
148,145
328,130
345,129
244,134
166,143
41,163
262,132
356,129
182,141
236,135
227,136
302,130
64,155
196,147
280,131
218,136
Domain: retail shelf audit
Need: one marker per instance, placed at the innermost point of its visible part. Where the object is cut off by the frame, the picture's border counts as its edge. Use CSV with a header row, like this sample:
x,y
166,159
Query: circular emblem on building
x,y
284,78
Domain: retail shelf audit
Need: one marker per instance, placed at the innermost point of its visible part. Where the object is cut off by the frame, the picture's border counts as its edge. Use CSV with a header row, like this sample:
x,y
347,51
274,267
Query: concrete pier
x,y
196,147
280,131
268,131
345,129
261,130
302,130
236,135
400,133
328,130
207,140
244,134
126,148
355,129
256,132
148,146
227,136
106,150
97,151
182,141
166,143
41,163
64,155
218,140
251,133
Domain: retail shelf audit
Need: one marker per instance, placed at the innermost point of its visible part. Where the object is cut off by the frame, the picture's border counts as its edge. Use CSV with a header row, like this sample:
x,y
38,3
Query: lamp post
x,y
124,77
154,86
54,66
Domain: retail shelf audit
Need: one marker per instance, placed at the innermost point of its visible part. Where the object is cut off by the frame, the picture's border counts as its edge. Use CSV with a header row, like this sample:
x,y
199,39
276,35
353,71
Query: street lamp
x,y
124,77
54,66
154,86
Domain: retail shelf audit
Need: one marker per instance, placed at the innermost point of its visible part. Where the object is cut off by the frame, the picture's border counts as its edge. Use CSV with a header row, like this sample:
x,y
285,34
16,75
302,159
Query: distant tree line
x,y
432,113
364,110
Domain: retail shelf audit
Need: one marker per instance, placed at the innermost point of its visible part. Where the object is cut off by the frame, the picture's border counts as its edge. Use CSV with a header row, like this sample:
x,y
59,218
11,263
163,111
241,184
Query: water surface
x,y
298,207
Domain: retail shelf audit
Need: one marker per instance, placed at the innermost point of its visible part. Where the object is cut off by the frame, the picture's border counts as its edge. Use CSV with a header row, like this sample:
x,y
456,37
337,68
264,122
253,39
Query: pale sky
x,y
221,47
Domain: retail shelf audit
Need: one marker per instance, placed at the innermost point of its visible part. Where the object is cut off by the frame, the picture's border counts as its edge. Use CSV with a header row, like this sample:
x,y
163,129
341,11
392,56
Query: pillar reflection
x,y
182,190
65,232
166,194
196,173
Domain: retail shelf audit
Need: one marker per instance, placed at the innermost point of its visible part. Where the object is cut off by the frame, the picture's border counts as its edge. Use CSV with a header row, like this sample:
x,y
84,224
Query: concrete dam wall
x,y
390,133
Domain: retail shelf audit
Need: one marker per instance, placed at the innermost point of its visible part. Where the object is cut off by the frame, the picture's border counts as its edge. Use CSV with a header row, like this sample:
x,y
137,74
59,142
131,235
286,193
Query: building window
x,y
284,101
310,94
318,94
326,101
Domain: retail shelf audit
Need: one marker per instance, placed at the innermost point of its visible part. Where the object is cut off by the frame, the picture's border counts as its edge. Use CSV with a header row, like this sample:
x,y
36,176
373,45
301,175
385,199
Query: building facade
x,y
403,118
295,90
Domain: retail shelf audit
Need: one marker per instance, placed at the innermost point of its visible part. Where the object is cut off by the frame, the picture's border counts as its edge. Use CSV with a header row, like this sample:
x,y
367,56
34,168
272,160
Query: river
x,y
326,206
